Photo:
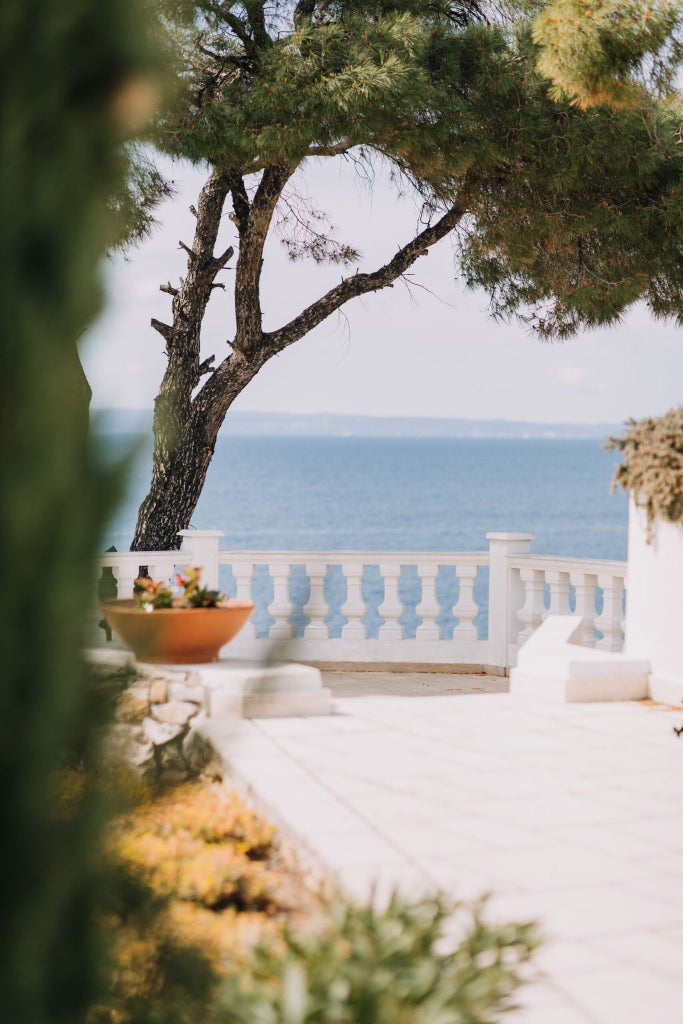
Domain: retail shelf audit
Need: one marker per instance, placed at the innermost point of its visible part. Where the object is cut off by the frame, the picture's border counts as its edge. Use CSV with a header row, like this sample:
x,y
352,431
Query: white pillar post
x,y
467,609
609,621
429,608
559,592
391,607
584,584
200,548
506,594
316,607
354,607
532,613
281,606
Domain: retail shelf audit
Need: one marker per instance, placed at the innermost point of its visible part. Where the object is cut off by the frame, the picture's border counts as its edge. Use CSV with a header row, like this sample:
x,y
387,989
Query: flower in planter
x,y
151,596
193,595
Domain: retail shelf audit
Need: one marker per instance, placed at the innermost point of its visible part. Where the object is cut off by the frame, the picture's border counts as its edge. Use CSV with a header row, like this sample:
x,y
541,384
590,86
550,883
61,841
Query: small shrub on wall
x,y
652,467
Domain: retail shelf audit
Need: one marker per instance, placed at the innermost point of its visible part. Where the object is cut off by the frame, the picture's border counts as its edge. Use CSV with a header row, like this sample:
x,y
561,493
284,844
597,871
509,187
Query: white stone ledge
x,y
553,666
236,689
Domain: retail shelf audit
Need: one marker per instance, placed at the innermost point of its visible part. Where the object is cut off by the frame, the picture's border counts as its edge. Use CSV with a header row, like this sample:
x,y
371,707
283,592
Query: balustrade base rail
x,y
455,610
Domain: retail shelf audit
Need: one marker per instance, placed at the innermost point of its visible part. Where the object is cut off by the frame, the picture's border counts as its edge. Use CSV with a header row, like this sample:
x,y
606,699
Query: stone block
x,y
198,752
128,743
190,690
132,704
552,665
175,712
161,733
158,691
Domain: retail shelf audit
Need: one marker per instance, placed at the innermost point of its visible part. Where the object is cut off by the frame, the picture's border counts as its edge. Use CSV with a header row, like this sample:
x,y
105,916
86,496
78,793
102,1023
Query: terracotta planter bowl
x,y
177,635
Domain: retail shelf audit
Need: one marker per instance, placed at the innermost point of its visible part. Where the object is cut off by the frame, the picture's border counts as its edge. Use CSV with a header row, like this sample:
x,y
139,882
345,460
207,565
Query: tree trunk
x,y
177,483
187,420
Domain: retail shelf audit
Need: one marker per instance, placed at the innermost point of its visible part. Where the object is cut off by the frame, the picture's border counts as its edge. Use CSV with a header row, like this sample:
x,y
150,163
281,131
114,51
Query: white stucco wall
x,y
654,616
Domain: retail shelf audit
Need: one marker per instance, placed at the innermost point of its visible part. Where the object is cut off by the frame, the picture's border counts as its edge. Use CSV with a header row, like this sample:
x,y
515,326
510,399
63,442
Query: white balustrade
x,y
609,622
391,608
559,592
244,574
316,608
281,606
467,609
532,612
429,608
516,604
584,584
354,607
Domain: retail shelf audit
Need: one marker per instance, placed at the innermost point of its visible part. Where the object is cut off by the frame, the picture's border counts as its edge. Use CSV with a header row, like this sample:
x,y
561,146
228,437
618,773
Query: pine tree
x,y
565,214
72,80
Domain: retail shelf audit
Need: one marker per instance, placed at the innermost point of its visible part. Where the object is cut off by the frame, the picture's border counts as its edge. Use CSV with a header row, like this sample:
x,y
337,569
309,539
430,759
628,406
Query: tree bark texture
x,y
187,421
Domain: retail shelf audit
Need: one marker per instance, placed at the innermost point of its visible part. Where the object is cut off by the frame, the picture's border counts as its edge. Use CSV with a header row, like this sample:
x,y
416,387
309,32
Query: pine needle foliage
x,y
611,52
566,212
575,214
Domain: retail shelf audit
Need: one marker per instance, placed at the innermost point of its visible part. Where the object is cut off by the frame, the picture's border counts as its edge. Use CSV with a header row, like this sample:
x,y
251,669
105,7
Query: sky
x,y
431,350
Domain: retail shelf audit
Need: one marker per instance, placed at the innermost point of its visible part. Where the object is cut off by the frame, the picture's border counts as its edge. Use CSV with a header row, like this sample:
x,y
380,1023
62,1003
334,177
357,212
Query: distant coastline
x,y
265,424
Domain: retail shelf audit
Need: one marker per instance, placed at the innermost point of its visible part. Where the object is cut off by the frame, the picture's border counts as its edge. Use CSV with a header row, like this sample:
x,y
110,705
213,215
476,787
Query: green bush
x,y
652,467
69,73
391,966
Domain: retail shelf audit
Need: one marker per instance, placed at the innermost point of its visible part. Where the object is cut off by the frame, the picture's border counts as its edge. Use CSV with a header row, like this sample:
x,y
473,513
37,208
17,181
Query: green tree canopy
x,y
565,210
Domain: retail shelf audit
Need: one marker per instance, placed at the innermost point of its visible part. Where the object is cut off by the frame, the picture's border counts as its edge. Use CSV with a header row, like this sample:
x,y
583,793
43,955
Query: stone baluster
x,y
559,592
354,607
200,548
584,587
506,594
391,607
466,609
532,611
316,607
165,571
609,620
126,572
429,608
281,606
244,573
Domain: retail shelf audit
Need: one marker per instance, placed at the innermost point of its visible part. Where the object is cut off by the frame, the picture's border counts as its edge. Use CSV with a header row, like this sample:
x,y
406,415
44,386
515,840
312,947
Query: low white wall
x,y
654,619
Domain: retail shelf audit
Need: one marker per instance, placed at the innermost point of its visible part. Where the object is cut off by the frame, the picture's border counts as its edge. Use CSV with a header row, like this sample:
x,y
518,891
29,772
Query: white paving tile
x,y
569,815
627,995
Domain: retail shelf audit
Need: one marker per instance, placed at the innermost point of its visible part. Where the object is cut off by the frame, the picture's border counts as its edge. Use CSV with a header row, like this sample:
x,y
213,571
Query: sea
x,y
394,494
398,494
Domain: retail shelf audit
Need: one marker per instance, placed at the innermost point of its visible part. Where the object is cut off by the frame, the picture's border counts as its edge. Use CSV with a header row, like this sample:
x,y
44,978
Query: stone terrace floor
x,y
570,815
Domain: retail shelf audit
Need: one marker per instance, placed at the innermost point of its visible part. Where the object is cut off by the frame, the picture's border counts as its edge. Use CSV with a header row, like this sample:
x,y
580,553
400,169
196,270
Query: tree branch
x,y
206,366
240,30
335,149
220,261
240,201
164,330
168,288
257,21
361,284
253,235
190,252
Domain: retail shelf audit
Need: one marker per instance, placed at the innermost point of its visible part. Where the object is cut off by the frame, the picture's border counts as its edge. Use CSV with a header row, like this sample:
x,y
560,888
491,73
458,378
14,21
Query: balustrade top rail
x,y
398,606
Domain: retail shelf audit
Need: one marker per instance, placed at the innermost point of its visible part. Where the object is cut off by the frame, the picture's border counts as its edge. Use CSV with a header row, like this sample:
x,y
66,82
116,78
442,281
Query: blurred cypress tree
x,y
73,85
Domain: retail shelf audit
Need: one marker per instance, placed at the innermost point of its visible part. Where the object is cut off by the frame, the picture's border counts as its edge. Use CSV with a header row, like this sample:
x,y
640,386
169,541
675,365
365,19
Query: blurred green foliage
x,y
397,965
75,82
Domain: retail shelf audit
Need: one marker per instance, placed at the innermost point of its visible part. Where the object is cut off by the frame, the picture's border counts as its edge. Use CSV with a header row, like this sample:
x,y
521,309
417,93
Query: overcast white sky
x,y
435,353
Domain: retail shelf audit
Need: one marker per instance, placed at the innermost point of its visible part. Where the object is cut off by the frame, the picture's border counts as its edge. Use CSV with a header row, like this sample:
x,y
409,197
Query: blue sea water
x,y
379,494
386,494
